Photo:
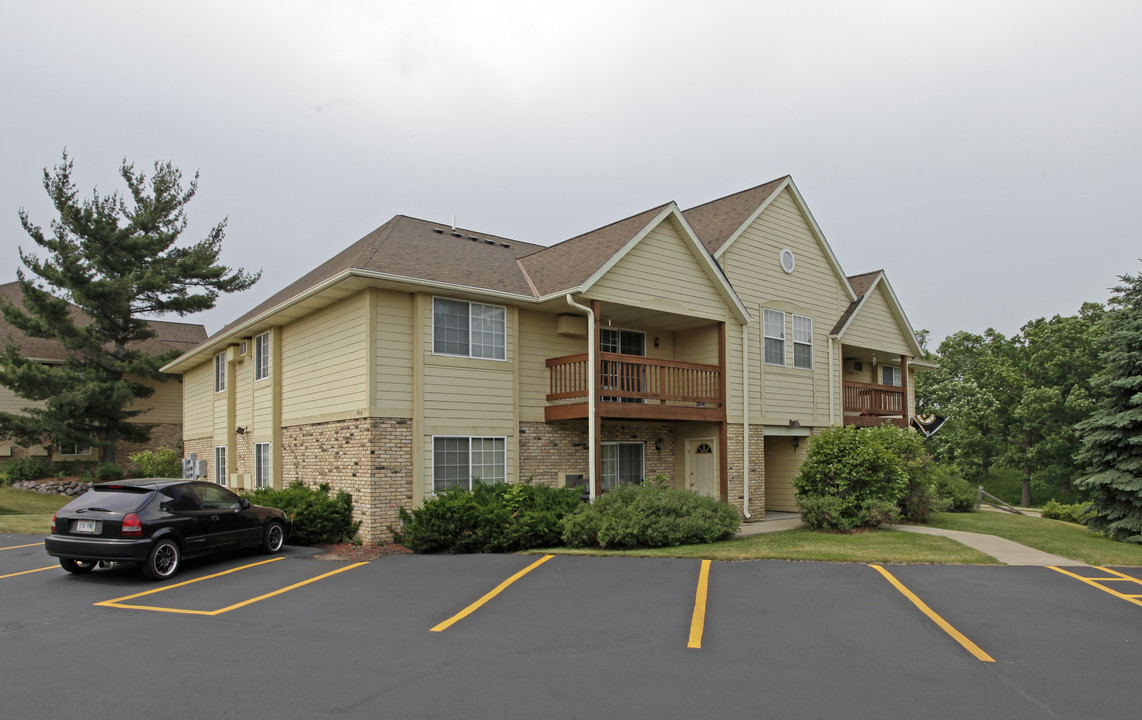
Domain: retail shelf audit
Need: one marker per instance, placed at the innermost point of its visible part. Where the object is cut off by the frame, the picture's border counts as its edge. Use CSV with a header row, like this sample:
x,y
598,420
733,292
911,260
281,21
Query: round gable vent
x,y
788,262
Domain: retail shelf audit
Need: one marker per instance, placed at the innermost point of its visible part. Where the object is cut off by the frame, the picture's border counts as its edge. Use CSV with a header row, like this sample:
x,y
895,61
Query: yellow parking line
x,y
944,624
1094,582
164,588
698,620
15,547
26,572
495,591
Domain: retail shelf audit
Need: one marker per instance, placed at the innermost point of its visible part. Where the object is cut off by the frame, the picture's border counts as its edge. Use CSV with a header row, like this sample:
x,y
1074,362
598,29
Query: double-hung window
x,y
774,331
220,464
890,375
622,464
469,329
220,372
262,470
460,461
802,342
262,356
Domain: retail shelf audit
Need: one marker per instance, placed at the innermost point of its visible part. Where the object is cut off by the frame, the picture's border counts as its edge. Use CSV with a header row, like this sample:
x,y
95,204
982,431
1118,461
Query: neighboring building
x,y
163,408
715,341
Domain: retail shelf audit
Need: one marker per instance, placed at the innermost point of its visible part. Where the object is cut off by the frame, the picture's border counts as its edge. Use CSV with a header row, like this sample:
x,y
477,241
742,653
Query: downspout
x,y
832,384
745,419
592,381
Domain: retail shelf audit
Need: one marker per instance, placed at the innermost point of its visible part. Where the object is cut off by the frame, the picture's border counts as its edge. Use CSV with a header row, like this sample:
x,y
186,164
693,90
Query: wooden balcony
x,y
636,387
869,405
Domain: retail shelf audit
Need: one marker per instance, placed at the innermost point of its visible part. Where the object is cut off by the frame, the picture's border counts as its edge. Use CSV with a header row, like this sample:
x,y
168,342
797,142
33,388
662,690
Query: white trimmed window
x,y
890,375
468,329
69,449
802,342
262,356
622,464
774,330
458,461
262,471
220,372
220,464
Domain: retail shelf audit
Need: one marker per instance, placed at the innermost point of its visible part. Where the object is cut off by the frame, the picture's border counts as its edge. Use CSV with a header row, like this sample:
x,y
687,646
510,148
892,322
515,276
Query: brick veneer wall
x,y
203,449
547,449
370,458
736,485
162,435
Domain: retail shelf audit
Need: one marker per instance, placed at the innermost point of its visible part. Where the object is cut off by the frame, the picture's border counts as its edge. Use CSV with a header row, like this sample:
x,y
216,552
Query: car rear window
x,y
113,499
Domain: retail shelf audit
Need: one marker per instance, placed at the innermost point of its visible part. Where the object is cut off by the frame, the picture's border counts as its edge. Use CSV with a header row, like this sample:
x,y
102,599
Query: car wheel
x,y
162,561
77,567
273,537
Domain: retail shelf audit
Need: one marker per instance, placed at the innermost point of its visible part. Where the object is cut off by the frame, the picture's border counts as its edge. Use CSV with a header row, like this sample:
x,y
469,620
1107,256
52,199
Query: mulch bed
x,y
348,552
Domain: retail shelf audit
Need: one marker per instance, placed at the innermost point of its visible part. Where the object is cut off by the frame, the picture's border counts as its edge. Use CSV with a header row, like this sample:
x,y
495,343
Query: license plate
x,y
85,526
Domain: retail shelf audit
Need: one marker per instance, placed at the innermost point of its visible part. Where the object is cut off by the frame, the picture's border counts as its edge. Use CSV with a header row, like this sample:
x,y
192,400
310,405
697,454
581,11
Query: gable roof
x,y
864,284
168,335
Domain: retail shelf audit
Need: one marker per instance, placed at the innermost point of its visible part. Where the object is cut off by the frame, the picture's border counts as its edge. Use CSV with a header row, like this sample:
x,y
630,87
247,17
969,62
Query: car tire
x,y
77,567
273,537
163,560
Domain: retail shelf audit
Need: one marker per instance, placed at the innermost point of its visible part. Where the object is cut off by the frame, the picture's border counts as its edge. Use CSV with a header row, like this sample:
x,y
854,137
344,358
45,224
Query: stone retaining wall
x,y
69,488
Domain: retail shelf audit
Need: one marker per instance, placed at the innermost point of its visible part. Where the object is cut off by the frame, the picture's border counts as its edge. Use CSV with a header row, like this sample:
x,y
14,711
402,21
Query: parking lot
x,y
255,636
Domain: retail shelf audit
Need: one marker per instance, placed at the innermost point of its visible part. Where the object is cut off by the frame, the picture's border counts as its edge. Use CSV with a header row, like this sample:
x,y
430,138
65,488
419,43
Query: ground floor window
x,y
262,465
458,461
69,449
220,465
622,463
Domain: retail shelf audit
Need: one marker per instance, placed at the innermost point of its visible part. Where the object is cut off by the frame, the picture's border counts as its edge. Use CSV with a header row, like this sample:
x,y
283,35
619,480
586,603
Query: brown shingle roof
x,y
860,285
168,335
716,221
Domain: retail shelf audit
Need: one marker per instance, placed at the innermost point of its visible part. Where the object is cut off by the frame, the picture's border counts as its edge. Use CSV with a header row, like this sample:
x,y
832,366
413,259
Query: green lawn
x,y
28,513
882,546
1051,536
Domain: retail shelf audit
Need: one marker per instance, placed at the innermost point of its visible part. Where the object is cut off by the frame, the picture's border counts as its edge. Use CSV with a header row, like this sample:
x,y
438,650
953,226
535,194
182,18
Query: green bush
x,y
960,495
1077,513
863,469
31,468
649,515
315,517
103,472
498,517
162,463
824,512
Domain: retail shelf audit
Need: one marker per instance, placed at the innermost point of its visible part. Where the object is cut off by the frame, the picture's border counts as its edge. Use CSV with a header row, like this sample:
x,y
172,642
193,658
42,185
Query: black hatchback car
x,y
154,523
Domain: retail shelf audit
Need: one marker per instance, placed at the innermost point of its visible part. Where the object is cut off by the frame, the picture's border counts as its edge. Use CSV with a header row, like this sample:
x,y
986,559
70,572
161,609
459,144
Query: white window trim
x,y
220,373
470,356
642,470
79,451
898,375
765,337
469,438
796,342
220,465
266,478
262,352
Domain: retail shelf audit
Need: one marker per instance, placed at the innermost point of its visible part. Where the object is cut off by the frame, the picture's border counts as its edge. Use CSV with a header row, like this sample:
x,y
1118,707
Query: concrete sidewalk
x,y
1005,551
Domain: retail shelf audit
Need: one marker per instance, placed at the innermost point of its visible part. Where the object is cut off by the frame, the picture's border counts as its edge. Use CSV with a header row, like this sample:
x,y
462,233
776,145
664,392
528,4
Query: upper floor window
x,y
262,356
774,330
220,372
890,375
469,329
802,342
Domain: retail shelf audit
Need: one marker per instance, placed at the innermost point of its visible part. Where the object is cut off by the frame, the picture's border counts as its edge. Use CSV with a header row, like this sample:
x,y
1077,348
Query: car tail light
x,y
53,523
132,526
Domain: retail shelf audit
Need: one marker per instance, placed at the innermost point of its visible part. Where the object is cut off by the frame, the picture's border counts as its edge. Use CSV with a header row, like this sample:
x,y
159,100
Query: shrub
x,y
315,517
649,515
959,493
162,463
497,517
103,472
824,512
31,468
858,466
1077,513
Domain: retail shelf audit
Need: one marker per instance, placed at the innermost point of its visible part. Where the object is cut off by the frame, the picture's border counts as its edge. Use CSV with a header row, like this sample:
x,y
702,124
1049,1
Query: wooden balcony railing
x,y
630,377
869,399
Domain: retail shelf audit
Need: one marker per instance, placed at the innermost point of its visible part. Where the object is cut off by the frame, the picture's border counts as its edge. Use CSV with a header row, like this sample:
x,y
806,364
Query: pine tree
x,y
116,260
1112,436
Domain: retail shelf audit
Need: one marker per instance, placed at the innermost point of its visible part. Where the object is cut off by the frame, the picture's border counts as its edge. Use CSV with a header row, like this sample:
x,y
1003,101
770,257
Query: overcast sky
x,y
986,155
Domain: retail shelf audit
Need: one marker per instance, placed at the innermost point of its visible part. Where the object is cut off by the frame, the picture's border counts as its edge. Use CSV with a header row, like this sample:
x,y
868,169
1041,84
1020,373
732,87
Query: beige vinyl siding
x,y
875,326
198,401
394,345
323,361
814,290
242,380
10,402
165,405
782,464
661,272
541,342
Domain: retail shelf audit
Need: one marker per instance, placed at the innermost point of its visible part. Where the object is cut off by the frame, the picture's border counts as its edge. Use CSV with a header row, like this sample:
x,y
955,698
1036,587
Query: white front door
x,y
702,466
